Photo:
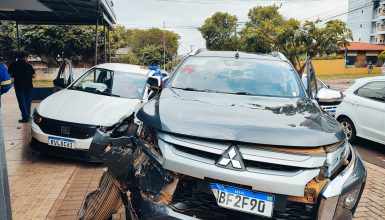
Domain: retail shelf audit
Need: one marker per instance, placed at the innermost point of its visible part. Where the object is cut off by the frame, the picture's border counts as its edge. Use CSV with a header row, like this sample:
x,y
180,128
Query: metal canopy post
x,y
5,200
104,42
96,40
109,46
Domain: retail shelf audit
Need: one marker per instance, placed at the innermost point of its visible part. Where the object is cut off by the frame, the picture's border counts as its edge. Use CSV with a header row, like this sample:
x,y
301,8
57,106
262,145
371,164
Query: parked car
x,y
233,136
329,107
77,121
362,111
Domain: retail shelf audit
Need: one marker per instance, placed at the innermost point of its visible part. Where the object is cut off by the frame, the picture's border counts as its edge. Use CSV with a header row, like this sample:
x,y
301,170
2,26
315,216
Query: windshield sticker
x,y
189,69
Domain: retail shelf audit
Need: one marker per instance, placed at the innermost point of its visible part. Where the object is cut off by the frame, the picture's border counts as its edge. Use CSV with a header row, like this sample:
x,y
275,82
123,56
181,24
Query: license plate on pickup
x,y
243,200
61,142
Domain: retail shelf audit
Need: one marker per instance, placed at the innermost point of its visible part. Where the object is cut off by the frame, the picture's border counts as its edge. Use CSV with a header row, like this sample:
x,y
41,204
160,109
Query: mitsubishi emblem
x,y
231,159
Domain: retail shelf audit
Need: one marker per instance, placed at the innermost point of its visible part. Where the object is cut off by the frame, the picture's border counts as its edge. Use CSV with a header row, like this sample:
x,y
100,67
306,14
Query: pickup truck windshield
x,y
238,76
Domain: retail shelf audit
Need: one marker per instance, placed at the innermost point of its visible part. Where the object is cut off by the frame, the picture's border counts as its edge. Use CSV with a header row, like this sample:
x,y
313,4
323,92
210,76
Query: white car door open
x,y
370,104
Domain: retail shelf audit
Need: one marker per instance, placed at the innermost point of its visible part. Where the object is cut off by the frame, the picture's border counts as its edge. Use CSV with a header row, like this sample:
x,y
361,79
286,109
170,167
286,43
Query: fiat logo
x,y
65,130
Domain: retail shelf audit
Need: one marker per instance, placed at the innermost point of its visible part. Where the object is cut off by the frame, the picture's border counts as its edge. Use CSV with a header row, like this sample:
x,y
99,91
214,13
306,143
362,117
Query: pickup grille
x,y
248,163
191,200
67,129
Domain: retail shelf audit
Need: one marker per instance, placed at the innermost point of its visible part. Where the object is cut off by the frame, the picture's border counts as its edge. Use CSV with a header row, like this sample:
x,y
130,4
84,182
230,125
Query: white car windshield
x,y
112,83
238,76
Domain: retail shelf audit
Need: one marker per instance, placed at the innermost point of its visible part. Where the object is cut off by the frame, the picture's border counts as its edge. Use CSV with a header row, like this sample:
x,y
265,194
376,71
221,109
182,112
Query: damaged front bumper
x,y
192,197
90,150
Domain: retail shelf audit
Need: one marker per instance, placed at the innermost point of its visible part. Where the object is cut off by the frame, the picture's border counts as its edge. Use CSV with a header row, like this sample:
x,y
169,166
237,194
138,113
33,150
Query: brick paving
x,y
372,204
44,187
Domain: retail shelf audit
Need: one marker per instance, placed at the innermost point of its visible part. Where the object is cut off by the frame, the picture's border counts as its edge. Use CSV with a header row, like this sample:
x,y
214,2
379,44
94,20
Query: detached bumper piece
x,y
103,202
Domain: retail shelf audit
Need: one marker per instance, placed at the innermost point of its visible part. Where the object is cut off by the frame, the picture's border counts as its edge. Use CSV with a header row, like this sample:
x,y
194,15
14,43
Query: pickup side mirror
x,y
155,83
329,96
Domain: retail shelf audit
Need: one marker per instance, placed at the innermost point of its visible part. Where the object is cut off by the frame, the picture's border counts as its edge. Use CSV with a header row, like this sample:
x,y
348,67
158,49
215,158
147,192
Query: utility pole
x,y
5,200
96,40
164,45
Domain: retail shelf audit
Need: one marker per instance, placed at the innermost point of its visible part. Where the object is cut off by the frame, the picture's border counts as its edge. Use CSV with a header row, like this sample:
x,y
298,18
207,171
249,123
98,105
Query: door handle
x,y
354,102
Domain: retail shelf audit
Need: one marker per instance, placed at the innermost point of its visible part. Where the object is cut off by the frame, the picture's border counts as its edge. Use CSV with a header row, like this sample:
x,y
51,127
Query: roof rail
x,y
198,51
280,56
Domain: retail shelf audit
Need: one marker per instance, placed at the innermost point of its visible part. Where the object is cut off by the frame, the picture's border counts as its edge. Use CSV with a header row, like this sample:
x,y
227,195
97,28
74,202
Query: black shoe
x,y
23,121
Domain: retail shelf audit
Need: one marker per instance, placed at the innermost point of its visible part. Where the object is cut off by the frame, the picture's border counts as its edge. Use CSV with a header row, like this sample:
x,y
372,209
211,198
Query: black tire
x,y
349,129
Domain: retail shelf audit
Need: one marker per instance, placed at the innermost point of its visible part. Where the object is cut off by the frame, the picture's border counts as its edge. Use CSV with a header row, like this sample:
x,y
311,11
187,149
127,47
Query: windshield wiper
x,y
243,93
188,89
76,88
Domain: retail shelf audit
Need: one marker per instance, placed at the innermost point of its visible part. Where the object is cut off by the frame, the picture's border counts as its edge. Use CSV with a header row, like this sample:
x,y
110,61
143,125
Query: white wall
x,y
360,20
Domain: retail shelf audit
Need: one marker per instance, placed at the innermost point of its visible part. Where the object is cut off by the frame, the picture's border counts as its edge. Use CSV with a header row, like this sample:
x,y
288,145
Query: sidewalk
x,y
44,187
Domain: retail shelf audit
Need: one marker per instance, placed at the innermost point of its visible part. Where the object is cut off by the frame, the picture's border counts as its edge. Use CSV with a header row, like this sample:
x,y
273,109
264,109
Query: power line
x,y
347,12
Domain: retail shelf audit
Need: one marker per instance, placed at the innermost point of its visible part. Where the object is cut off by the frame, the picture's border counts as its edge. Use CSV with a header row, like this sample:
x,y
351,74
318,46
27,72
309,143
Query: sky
x,y
184,16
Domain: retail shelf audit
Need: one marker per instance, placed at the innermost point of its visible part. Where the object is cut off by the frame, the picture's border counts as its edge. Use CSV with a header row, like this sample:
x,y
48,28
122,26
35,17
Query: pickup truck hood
x,y
86,108
250,119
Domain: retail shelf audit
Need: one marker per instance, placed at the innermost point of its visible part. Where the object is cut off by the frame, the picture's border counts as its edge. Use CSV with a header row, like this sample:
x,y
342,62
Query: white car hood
x,y
86,108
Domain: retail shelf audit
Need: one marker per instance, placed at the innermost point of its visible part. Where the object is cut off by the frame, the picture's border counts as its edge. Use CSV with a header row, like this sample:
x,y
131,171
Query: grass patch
x,y
43,83
346,76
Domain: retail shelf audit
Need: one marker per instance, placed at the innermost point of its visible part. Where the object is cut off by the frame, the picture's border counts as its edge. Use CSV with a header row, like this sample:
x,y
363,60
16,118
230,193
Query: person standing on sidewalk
x,y
370,67
5,80
23,73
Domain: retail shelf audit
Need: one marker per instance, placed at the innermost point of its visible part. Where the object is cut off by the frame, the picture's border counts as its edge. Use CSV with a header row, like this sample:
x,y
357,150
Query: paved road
x,y
371,152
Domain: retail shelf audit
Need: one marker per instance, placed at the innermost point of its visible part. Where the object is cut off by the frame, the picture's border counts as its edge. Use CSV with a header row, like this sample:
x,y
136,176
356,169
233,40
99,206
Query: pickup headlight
x,y
347,202
336,154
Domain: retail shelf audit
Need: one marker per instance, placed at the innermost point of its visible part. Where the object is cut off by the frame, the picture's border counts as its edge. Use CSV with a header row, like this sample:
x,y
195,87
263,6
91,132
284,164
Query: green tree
x,y
382,55
267,30
219,32
50,42
151,55
139,39
119,38
8,43
260,33
129,58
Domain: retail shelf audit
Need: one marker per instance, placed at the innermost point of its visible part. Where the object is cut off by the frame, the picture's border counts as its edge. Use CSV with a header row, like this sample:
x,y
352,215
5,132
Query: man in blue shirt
x,y
5,79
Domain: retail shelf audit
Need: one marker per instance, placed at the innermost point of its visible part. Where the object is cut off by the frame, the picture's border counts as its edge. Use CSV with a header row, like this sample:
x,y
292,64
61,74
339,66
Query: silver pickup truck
x,y
237,136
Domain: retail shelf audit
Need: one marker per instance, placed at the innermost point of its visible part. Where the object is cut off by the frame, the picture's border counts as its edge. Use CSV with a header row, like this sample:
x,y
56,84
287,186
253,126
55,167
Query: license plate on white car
x,y
61,142
243,200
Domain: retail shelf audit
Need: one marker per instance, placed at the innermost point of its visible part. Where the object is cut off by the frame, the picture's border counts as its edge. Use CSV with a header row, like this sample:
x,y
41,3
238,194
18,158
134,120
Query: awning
x,y
56,12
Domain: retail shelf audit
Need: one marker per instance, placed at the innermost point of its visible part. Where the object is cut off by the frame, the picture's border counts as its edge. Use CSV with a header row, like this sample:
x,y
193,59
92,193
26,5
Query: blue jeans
x,y
24,98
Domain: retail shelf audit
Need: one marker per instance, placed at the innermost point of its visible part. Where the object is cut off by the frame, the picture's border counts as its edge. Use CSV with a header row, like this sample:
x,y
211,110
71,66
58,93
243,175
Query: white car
x,y
73,122
362,111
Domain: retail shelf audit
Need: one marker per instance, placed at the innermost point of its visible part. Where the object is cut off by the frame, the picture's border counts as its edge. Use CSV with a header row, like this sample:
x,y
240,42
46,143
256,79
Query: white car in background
x,y
362,111
74,121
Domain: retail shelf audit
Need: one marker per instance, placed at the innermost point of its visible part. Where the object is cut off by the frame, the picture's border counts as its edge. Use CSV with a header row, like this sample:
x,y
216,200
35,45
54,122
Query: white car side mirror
x,y
329,96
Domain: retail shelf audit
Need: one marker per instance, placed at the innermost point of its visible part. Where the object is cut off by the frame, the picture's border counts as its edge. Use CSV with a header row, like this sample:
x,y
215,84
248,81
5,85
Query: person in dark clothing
x,y
22,73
